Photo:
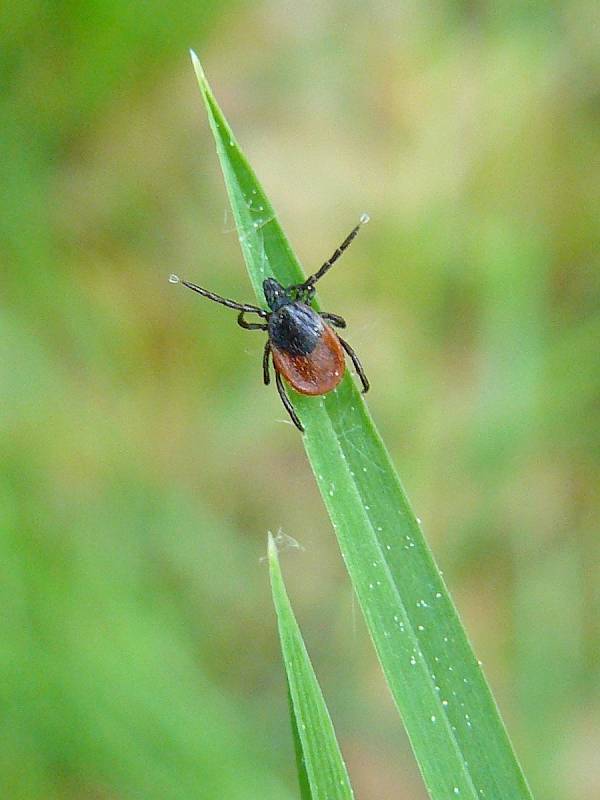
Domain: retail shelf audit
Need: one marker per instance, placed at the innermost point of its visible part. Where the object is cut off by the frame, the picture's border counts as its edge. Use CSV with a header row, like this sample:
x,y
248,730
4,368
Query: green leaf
x,y
321,769
452,721
305,792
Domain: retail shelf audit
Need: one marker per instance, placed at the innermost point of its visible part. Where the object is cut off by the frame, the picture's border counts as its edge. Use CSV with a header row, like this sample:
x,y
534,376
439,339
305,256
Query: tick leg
x,y
310,281
224,301
357,365
266,354
286,402
250,326
304,293
336,320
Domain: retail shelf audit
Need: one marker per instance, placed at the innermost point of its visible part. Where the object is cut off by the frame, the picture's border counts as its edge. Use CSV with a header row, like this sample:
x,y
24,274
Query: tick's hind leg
x,y
357,365
286,402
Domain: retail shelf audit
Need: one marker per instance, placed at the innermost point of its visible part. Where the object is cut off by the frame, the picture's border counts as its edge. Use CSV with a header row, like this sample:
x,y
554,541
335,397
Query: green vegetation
x,y
450,716
142,459
321,769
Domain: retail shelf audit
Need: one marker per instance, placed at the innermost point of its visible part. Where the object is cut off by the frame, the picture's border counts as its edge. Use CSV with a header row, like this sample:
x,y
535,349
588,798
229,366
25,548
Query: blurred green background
x,y
143,461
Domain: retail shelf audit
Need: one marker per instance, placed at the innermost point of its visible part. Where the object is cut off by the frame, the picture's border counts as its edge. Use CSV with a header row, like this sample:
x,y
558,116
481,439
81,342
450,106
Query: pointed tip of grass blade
x,y
197,66
200,75
217,121
272,556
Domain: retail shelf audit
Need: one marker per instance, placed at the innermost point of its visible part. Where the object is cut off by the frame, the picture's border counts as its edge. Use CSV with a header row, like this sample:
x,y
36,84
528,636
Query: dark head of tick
x,y
275,294
304,348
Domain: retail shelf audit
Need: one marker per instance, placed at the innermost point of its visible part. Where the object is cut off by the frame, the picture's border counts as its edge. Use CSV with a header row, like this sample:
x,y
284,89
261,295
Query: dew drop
x,y
173,278
433,717
364,218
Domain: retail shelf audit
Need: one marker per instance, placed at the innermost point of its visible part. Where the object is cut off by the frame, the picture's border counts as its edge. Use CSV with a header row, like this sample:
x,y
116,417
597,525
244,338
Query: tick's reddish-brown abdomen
x,y
317,373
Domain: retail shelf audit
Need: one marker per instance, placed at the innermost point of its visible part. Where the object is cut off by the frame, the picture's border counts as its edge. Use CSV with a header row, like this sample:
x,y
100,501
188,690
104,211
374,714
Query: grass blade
x,y
305,792
321,769
449,713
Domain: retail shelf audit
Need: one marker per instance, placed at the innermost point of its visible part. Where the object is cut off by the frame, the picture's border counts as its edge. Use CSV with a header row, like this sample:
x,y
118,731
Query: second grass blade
x,y
322,771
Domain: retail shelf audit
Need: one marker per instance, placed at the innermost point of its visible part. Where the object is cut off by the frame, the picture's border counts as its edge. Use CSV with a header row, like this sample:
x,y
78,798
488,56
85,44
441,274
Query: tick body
x,y
316,372
305,349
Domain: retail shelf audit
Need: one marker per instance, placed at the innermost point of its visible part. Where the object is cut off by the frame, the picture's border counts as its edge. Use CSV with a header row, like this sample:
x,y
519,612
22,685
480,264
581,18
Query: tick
x,y
305,349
